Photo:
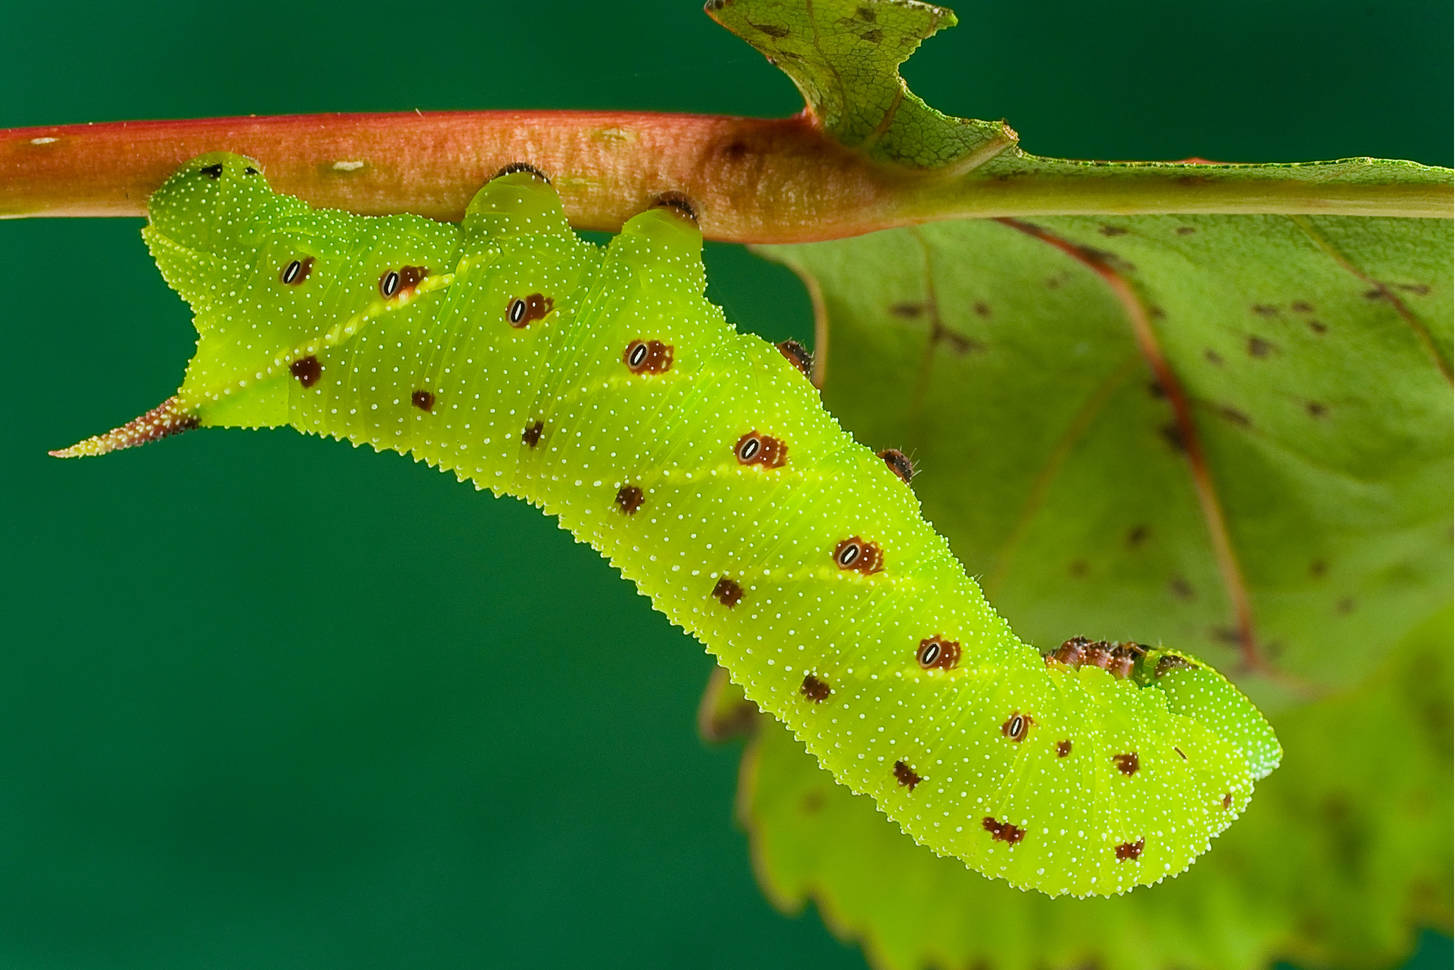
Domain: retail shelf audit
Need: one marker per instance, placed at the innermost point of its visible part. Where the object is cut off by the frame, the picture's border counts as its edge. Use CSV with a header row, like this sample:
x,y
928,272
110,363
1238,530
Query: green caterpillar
x,y
604,388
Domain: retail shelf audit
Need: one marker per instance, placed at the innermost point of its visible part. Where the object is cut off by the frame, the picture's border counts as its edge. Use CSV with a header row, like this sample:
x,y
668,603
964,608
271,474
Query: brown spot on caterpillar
x,y
855,554
1063,748
1127,764
1098,654
1186,230
296,271
1131,850
727,592
936,651
306,369
1123,661
906,776
213,171
523,312
629,498
423,400
647,356
1258,347
1071,652
1170,661
898,463
797,355
759,449
1227,801
1018,726
814,689
1002,831
409,278
678,203
514,167
532,433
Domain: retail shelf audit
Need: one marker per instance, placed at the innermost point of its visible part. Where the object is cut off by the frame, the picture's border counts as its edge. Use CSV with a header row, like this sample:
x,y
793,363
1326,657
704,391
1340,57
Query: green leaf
x,y
1227,433
1343,847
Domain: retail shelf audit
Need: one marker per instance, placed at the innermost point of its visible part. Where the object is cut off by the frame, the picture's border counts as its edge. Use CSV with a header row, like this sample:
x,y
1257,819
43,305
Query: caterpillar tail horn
x,y
163,421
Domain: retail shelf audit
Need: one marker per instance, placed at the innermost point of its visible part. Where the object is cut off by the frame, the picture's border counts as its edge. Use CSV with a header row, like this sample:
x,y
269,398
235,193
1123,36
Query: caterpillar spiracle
x,y
603,387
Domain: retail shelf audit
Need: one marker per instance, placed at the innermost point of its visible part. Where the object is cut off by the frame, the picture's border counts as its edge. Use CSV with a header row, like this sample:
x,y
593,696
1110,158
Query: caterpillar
x,y
603,387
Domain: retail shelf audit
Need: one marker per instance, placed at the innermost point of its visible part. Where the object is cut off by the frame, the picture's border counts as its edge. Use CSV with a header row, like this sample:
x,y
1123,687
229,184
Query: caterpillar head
x,y
208,207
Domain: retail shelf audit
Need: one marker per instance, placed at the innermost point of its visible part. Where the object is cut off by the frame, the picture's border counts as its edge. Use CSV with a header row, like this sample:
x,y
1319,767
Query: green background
x,y
271,701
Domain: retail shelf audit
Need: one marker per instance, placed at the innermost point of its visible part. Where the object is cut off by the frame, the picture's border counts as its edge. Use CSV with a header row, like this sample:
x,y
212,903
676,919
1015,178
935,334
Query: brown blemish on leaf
x,y
872,36
1212,357
1316,410
1077,568
1265,310
1258,347
1137,535
958,342
1318,568
727,592
1131,850
1318,326
1235,416
1186,230
907,311
1345,605
1172,434
981,309
1301,306
1112,230
307,370
423,400
1226,634
1156,389
1418,289
1002,831
1180,587
814,689
629,498
906,775
1127,763
772,30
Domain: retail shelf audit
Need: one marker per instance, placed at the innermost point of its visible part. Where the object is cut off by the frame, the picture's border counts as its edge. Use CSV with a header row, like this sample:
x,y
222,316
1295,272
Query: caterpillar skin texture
x,y
601,386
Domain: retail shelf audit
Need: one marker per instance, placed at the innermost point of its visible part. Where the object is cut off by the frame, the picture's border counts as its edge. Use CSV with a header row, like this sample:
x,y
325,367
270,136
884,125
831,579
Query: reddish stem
x,y
750,180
